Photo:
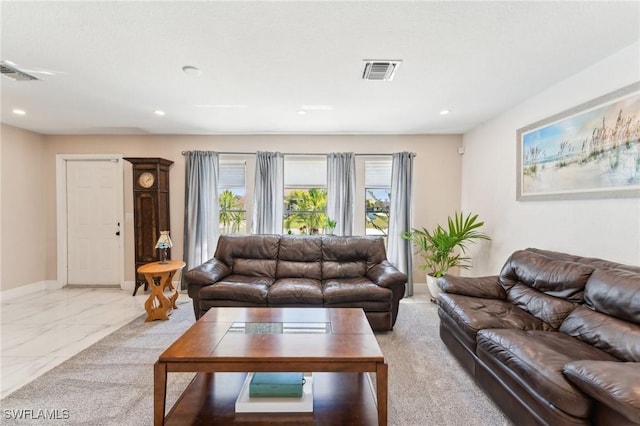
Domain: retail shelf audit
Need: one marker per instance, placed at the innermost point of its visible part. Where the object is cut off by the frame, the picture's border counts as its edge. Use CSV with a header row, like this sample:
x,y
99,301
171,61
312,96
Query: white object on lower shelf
x,y
303,404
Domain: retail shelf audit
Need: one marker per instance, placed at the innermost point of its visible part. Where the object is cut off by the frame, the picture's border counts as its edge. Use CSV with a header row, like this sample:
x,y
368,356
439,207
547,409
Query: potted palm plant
x,y
438,247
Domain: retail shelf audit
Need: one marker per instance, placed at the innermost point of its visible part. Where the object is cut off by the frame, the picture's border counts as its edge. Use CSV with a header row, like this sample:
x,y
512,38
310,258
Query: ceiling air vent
x,y
14,73
380,70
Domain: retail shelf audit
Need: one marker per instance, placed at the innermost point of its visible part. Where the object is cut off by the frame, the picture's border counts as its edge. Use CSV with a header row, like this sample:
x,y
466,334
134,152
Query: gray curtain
x,y
341,183
201,210
268,196
399,250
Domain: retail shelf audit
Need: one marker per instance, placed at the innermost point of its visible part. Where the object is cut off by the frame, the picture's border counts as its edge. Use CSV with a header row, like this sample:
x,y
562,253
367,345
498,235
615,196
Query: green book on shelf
x,y
276,385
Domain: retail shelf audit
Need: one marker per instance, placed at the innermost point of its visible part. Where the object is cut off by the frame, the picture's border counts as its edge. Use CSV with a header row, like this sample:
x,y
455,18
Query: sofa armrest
x,y
485,287
615,384
386,275
206,274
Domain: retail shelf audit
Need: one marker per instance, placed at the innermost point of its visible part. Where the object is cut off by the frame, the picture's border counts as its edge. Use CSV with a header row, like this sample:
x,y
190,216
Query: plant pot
x,y
434,290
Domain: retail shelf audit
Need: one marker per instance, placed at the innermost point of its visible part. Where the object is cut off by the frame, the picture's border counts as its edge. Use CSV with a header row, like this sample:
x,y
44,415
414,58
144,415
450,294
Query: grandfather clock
x,y
150,210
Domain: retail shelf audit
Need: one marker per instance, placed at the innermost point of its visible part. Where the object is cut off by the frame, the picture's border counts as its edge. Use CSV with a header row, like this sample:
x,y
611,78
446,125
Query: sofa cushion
x,y
549,309
615,293
350,257
607,264
354,247
343,270
292,269
546,285
252,255
350,290
616,384
560,278
535,360
295,291
239,288
254,267
299,257
619,338
472,314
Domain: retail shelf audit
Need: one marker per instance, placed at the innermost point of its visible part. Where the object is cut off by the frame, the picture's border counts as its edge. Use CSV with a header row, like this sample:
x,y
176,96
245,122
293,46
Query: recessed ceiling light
x,y
19,112
444,112
158,112
191,70
301,112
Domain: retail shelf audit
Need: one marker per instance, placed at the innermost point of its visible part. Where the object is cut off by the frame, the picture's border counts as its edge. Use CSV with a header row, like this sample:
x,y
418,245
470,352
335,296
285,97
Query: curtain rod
x,y
298,153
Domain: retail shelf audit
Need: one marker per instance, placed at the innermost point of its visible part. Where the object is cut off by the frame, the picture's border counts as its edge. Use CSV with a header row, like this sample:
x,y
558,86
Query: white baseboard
x,y
128,285
420,288
27,289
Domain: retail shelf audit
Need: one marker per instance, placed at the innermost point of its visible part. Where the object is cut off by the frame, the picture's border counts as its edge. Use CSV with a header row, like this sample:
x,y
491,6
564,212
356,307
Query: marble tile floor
x,y
41,330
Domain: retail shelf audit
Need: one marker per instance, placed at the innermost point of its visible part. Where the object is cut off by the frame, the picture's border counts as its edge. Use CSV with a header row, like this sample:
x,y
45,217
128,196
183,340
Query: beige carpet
x,y
426,384
111,382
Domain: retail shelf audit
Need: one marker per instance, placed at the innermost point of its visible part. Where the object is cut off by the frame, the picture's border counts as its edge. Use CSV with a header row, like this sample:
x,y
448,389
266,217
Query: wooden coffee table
x,y
337,345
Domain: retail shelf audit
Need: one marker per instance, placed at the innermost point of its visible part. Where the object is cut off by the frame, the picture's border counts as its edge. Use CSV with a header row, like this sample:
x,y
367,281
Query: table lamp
x,y
164,242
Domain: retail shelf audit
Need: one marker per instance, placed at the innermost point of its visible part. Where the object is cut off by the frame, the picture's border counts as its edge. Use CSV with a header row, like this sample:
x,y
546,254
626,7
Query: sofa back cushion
x,y
251,255
607,264
555,277
551,310
610,318
615,292
614,336
300,257
546,285
350,257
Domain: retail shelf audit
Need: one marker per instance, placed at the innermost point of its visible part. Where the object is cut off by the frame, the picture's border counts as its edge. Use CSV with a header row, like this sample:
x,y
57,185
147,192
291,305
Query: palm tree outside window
x,y
305,194
232,190
377,176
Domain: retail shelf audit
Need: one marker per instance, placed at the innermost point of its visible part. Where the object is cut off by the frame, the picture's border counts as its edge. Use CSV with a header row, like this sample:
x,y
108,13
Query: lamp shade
x,y
164,242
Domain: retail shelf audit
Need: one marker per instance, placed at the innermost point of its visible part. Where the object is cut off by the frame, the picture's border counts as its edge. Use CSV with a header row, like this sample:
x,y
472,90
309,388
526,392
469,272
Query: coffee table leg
x,y
381,386
159,392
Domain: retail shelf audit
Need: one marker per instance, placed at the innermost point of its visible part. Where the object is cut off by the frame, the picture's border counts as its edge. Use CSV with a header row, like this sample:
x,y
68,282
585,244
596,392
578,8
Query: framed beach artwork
x,y
590,151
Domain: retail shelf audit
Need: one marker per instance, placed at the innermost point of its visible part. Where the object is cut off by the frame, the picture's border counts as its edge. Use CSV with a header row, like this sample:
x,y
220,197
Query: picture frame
x,y
589,151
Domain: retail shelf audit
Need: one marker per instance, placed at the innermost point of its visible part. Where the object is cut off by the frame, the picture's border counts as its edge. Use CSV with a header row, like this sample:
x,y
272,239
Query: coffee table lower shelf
x,y
338,398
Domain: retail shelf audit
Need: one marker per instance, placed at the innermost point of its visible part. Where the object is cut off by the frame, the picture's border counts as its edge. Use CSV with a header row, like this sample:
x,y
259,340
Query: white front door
x,y
93,222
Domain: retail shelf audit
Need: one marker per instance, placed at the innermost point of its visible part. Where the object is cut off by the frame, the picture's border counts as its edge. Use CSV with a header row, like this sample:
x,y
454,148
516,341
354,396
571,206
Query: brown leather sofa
x,y
300,270
554,339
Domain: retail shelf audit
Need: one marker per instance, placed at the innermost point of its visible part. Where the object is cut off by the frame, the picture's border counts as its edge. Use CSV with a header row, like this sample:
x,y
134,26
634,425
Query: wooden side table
x,y
158,305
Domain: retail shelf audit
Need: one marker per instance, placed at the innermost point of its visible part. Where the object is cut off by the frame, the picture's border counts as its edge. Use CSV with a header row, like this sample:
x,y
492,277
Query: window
x,y
305,194
377,177
232,191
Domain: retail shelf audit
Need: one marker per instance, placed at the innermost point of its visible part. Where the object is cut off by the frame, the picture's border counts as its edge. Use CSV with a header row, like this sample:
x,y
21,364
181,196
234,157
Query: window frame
x,y
222,188
292,183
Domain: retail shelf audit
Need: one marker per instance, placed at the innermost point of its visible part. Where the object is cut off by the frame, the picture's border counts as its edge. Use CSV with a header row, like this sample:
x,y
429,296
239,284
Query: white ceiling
x,y
261,62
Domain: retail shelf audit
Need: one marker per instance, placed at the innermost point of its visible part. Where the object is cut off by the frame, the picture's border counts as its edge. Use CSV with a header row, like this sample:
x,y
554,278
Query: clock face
x,y
146,179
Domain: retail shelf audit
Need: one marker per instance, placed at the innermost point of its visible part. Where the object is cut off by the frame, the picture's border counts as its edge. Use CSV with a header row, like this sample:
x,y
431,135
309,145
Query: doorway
x,y
90,222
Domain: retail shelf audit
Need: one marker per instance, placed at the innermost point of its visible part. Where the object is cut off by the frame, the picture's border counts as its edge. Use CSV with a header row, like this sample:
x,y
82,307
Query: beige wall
x,y
24,214
436,171
605,228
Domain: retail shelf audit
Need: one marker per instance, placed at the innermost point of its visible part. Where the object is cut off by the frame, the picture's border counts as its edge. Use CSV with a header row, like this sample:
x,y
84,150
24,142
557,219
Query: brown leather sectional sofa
x,y
295,270
554,339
